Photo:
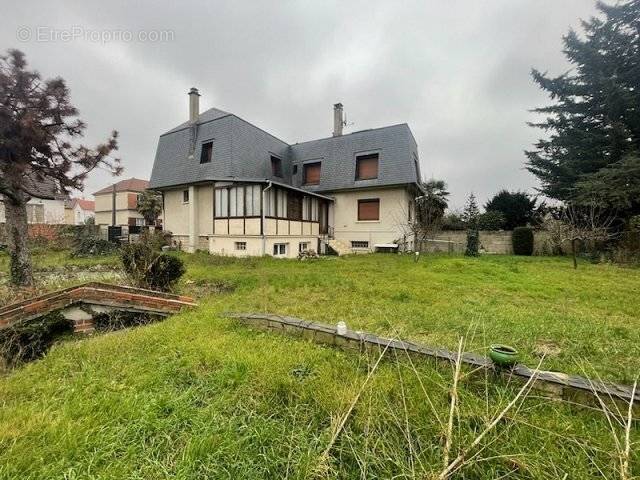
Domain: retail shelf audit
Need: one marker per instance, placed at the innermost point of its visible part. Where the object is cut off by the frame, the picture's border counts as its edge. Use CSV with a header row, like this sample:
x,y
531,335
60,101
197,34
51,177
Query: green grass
x,y
199,396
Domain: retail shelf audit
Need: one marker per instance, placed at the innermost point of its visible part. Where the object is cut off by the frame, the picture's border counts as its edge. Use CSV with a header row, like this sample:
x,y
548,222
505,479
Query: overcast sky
x,y
457,71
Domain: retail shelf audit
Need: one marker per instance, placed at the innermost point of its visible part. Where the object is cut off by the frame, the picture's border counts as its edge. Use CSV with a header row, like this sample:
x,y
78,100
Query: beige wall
x,y
122,217
175,216
225,245
497,242
103,209
392,225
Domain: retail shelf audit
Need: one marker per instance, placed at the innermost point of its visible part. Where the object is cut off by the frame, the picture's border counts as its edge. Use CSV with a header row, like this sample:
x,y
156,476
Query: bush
x,y
117,320
308,255
149,268
491,220
453,221
89,246
522,240
473,243
26,341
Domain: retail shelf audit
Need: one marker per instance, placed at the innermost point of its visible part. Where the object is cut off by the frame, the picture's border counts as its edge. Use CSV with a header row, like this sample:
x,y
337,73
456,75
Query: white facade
x,y
41,211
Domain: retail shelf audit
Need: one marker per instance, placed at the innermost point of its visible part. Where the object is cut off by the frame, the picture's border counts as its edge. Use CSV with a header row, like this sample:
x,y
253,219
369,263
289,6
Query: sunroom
x,y
258,218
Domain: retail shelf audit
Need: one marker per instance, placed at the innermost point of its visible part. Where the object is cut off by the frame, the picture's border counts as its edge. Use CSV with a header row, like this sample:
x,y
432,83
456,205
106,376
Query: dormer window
x,y
276,166
367,166
205,153
312,173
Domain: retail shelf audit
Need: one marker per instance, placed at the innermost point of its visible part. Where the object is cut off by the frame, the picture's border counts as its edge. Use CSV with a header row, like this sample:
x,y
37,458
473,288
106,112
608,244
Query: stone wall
x,y
496,242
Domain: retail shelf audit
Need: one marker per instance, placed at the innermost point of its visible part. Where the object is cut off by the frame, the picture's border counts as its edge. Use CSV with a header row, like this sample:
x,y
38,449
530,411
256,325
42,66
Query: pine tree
x,y
594,122
38,124
471,212
517,208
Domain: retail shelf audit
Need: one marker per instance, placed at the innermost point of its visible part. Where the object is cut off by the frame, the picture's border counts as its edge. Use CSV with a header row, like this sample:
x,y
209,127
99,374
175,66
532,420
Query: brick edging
x,y
94,293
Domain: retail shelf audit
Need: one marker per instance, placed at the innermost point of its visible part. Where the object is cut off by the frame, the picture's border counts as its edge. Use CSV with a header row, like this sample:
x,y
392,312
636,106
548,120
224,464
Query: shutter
x,y
312,173
369,209
132,201
367,167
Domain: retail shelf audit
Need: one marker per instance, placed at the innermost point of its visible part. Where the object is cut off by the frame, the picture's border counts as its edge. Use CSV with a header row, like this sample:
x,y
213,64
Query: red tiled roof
x,y
129,185
88,205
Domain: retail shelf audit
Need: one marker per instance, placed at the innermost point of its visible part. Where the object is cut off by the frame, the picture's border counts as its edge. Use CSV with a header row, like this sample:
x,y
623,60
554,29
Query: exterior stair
x,y
340,247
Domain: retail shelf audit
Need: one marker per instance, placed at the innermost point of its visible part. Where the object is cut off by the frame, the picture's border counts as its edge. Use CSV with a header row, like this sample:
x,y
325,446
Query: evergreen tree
x,y
38,133
517,208
471,212
436,195
150,206
594,122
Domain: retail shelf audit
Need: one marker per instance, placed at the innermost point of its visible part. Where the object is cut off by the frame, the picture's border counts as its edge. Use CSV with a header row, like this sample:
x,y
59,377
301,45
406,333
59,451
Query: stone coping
x,y
554,383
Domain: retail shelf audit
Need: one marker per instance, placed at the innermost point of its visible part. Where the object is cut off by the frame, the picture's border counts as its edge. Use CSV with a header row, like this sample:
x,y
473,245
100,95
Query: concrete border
x,y
560,385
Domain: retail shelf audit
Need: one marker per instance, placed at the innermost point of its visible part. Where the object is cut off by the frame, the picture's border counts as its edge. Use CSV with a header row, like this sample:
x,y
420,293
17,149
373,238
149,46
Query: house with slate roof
x,y
232,188
47,202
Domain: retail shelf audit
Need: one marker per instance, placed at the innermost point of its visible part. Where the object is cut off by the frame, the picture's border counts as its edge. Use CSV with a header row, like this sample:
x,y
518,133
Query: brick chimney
x,y
194,105
338,121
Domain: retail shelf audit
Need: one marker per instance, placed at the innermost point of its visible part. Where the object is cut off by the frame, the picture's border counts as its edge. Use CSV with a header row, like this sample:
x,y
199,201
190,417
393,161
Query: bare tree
x,y
585,223
428,211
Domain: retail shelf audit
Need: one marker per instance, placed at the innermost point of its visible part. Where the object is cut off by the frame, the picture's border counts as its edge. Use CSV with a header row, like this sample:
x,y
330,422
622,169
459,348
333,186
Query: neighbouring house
x,y
232,188
47,202
78,210
117,204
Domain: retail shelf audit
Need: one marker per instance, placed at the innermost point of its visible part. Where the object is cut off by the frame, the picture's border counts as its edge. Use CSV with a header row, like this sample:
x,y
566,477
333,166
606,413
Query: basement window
x,y
185,196
367,166
279,249
359,244
276,166
205,153
241,245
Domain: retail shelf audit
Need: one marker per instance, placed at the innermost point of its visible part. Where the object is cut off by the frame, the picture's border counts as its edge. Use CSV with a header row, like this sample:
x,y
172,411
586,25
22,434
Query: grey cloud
x,y
456,71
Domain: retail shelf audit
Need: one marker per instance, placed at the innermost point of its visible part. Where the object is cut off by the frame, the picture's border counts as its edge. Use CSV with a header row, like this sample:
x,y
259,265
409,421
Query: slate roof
x,y
44,187
242,151
128,185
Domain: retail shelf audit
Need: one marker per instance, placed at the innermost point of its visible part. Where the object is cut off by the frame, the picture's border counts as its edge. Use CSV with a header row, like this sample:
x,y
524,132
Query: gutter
x,y
262,214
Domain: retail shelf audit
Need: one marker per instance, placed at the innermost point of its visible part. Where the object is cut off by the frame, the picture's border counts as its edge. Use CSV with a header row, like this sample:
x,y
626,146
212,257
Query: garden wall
x,y
60,235
497,242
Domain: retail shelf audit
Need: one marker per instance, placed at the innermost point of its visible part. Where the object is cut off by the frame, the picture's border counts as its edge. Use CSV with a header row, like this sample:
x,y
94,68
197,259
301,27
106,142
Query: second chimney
x,y
337,120
194,105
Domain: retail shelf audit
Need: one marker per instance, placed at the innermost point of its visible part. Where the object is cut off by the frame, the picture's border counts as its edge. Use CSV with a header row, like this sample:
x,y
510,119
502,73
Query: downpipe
x,y
264,235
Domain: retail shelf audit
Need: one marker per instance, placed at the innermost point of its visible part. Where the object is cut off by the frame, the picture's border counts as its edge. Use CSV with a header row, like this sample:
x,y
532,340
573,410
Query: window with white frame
x,y
139,222
282,204
279,249
185,196
310,209
252,200
276,203
222,202
241,245
303,247
236,202
240,201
